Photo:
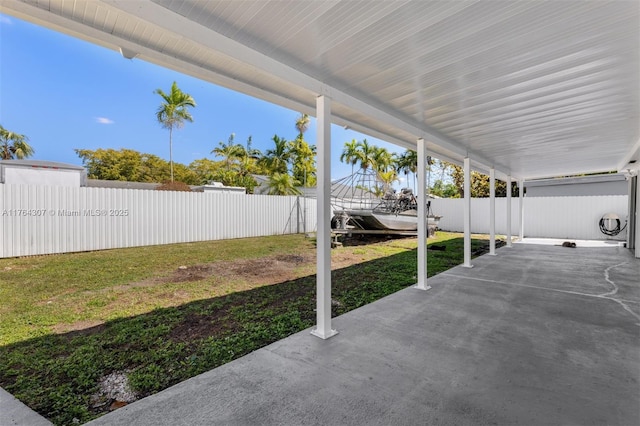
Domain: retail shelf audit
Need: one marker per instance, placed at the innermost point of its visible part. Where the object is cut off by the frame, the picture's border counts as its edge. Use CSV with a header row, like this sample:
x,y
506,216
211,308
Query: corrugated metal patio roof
x,y
532,88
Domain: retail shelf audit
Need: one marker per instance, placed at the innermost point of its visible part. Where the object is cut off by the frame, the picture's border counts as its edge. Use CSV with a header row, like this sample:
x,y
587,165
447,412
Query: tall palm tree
x,y
14,145
349,153
407,162
364,154
173,112
276,159
282,184
381,159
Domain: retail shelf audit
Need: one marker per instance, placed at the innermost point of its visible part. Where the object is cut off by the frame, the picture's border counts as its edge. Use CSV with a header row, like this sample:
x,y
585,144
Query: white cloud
x,y
5,20
104,120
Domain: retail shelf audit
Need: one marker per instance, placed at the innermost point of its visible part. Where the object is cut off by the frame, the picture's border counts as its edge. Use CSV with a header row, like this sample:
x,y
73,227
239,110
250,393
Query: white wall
x,y
544,217
41,176
38,219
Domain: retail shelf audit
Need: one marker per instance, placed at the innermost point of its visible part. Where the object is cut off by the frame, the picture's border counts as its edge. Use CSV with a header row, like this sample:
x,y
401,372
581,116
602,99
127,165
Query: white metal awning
x,y
532,88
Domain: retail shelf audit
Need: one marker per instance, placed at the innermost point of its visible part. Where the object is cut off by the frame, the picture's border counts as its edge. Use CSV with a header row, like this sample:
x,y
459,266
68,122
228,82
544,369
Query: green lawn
x,y
163,314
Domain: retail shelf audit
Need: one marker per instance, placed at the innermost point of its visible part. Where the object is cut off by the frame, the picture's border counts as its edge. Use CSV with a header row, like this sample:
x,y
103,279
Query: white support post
x,y
323,263
637,217
509,242
492,211
422,216
521,194
467,213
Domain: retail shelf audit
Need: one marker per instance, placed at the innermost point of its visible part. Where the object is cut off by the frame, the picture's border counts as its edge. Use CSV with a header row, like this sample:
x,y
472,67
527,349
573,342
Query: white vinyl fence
x,y
544,217
47,219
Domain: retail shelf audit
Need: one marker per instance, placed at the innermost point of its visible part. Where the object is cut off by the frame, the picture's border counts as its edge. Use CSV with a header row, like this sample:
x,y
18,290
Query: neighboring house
x,y
50,173
608,184
36,172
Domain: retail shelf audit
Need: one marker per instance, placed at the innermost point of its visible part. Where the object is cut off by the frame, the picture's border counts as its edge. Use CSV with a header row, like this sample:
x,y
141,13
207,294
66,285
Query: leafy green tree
x,y
444,190
132,166
479,184
282,184
302,155
173,112
14,145
205,169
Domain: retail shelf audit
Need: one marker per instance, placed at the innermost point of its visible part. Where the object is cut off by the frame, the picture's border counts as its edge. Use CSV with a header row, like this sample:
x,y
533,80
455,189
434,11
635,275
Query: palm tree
x,y
276,159
302,124
282,184
349,153
173,112
382,159
364,154
14,145
247,157
228,151
407,162
388,177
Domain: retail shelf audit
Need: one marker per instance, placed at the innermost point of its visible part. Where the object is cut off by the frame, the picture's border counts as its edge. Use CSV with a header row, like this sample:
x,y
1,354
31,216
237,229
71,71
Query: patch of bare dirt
x,y
188,274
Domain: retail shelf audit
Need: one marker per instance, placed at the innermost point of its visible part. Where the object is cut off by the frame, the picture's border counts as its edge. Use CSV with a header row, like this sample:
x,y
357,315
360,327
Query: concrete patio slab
x,y
536,335
15,413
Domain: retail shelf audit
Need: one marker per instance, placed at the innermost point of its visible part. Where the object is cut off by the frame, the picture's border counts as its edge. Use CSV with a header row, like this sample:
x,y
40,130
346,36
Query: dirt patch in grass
x,y
188,274
272,268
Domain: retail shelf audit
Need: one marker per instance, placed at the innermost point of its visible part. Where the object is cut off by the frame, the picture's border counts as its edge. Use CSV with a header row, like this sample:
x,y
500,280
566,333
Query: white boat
x,y
358,208
372,219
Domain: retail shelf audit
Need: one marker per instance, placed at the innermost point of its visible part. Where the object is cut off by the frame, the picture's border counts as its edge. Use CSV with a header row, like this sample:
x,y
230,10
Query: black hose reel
x,y
610,224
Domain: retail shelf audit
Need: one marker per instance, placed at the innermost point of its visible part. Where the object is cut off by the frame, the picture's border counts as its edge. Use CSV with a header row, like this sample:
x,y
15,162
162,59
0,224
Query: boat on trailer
x,y
362,202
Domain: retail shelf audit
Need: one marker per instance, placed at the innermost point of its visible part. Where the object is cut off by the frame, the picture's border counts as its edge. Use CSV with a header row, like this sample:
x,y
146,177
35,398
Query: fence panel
x,y
47,219
572,217
544,217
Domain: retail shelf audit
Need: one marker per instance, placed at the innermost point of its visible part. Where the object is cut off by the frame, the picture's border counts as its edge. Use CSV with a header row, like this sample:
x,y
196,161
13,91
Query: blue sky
x,y
64,93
